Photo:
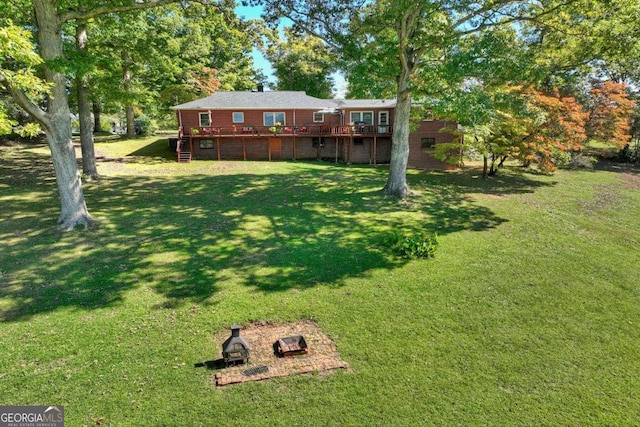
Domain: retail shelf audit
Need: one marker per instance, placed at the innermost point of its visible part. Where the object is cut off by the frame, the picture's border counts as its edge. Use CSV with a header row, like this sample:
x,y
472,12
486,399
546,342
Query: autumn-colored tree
x,y
557,125
609,114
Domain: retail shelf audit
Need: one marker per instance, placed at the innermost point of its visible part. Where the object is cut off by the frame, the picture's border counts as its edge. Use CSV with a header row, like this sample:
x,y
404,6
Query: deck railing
x,y
311,130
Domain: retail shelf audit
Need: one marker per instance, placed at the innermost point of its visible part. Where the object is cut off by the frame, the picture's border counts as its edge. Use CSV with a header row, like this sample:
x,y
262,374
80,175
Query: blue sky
x,y
253,12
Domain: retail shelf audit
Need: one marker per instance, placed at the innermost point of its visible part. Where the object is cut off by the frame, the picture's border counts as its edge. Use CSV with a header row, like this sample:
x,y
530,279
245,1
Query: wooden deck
x,y
271,131
241,140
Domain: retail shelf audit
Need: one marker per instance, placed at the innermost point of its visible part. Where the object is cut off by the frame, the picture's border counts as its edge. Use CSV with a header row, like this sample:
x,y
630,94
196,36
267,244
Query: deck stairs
x,y
184,150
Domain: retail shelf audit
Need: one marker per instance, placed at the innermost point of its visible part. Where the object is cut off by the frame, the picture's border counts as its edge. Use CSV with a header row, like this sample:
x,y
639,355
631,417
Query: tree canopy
x,y
18,73
53,24
300,62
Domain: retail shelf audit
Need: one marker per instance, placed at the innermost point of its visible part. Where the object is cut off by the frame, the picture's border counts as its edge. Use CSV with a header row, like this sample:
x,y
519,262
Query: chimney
x,y
260,88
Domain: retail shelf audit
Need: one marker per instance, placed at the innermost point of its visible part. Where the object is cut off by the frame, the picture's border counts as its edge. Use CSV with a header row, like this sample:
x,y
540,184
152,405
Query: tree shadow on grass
x,y
188,238
156,152
158,149
613,166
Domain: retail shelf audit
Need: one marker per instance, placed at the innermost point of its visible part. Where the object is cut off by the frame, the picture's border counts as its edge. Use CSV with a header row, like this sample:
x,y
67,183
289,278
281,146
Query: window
x,y
205,120
318,118
383,121
363,117
316,141
383,118
206,143
427,143
238,117
358,141
274,119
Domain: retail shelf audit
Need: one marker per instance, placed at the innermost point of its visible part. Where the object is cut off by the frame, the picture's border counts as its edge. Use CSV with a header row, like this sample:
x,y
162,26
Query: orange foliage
x,y
610,113
546,126
558,126
205,80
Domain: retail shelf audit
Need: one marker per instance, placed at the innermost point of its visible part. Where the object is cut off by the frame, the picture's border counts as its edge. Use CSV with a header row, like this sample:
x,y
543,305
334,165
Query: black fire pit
x,y
291,346
235,348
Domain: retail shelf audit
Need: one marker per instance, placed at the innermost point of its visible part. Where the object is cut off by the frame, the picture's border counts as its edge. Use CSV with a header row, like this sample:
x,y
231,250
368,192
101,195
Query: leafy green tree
x,y
590,38
18,74
55,23
301,62
171,55
55,117
403,42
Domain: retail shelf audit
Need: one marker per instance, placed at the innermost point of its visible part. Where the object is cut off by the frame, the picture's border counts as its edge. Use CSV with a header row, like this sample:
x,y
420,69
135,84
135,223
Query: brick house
x,y
275,125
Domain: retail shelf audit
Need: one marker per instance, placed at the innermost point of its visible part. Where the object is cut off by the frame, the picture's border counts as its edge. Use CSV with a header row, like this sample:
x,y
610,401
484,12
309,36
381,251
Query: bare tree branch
x,y
507,17
23,101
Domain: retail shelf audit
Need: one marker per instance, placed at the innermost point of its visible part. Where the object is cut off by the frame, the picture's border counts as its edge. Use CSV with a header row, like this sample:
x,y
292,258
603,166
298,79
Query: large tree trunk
x,y
131,127
58,126
409,56
73,208
397,179
97,111
126,83
89,167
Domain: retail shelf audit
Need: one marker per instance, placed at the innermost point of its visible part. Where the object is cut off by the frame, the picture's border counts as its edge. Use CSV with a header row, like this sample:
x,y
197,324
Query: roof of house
x,y
365,103
272,100
288,100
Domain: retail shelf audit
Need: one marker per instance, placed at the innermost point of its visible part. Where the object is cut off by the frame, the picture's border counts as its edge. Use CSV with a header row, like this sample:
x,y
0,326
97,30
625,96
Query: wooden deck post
x,y
244,150
218,146
375,147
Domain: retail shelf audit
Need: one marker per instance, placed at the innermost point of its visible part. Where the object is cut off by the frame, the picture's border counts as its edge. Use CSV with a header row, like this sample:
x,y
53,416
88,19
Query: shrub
x,y
560,158
105,125
414,245
581,161
145,125
630,153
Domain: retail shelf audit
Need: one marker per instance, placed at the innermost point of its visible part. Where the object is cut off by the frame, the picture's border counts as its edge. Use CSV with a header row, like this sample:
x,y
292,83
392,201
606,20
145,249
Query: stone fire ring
x,y
264,364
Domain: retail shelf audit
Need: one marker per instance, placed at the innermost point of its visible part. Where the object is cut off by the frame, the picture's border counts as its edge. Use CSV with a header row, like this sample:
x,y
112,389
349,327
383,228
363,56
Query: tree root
x,y
69,223
400,193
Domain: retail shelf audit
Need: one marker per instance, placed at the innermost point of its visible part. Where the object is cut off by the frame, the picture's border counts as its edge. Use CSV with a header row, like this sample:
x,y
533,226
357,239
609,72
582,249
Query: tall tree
x,y
55,118
148,59
610,110
157,58
301,62
410,36
89,166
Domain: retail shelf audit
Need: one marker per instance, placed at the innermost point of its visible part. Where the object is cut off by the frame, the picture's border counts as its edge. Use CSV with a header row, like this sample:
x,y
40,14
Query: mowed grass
x,y
528,315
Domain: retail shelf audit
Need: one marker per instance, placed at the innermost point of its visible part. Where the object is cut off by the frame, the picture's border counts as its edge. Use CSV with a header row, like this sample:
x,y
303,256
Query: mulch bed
x,y
264,364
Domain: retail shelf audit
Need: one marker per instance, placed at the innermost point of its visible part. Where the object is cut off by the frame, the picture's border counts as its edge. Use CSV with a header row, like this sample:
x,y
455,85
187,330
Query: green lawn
x,y
528,315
